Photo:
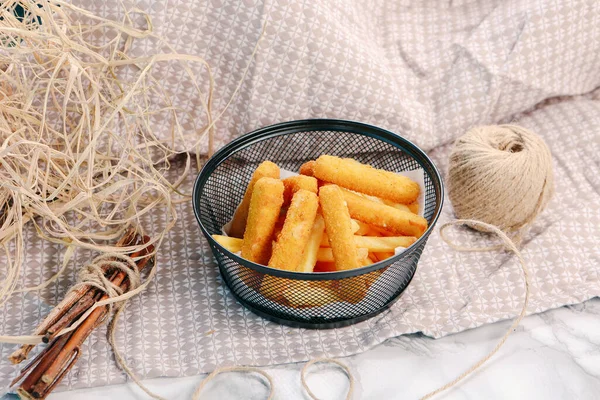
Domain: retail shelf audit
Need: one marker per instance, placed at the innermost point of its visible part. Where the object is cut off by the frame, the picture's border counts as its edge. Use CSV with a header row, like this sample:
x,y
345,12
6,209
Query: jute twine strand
x,y
218,371
343,366
508,245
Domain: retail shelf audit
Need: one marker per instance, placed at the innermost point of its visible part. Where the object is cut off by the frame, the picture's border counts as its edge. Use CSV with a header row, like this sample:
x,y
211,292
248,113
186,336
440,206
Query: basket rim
x,y
305,125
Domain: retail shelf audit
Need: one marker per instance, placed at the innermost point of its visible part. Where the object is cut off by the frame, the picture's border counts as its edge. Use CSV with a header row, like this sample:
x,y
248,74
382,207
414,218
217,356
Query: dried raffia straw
x,y
79,156
80,160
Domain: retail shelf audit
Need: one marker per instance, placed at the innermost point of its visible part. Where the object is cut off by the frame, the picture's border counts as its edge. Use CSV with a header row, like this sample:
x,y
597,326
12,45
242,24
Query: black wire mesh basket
x,y
300,299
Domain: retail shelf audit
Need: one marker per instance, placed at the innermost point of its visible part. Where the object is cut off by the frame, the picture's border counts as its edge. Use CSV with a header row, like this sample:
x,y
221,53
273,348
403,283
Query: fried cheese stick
x,y
351,174
238,223
289,247
295,183
382,216
338,227
265,205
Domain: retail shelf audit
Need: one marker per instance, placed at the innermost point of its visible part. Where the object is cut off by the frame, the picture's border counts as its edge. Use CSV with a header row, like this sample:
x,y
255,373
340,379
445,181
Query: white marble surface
x,y
554,355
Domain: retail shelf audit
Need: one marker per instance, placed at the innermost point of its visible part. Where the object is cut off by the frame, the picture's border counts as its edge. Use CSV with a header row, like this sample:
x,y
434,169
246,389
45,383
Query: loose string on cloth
x,y
196,395
343,366
508,245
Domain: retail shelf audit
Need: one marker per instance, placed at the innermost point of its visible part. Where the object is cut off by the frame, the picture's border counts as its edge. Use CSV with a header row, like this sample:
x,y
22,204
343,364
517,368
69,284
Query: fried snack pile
x,y
338,214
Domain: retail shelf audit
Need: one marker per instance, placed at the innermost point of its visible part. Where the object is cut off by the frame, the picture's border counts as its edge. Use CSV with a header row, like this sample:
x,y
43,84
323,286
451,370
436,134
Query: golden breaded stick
x,y
356,227
414,207
308,168
385,217
325,254
265,205
230,243
362,178
338,227
295,183
382,244
288,249
279,223
374,232
309,256
266,169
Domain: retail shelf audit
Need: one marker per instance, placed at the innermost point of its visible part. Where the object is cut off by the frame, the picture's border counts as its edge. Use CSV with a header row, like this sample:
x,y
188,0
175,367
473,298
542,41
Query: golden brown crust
x,y
382,216
265,205
288,249
351,174
295,183
338,227
308,168
238,223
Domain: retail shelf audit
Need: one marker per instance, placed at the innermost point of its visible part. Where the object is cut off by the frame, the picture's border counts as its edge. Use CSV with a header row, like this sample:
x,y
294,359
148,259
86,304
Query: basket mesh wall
x,y
311,302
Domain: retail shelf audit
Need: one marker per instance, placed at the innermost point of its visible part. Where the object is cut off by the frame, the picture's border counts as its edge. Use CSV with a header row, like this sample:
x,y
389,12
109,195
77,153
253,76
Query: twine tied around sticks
x,y
93,274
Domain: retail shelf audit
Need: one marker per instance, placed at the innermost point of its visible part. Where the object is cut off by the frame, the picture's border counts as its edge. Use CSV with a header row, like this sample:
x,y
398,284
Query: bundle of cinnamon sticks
x,y
51,365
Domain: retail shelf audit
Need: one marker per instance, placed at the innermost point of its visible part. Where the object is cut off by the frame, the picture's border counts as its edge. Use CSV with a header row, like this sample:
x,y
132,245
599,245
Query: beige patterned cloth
x,y
427,70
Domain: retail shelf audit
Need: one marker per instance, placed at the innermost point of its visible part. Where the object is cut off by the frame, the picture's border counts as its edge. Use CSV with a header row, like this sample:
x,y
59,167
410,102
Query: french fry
x,y
383,244
383,216
238,223
295,183
363,178
308,168
366,261
324,266
398,206
374,243
363,228
265,205
326,254
288,249
355,225
383,255
338,227
309,257
230,243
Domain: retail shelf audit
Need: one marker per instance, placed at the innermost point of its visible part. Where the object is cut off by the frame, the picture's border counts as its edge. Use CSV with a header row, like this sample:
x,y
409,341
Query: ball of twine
x,y
501,175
